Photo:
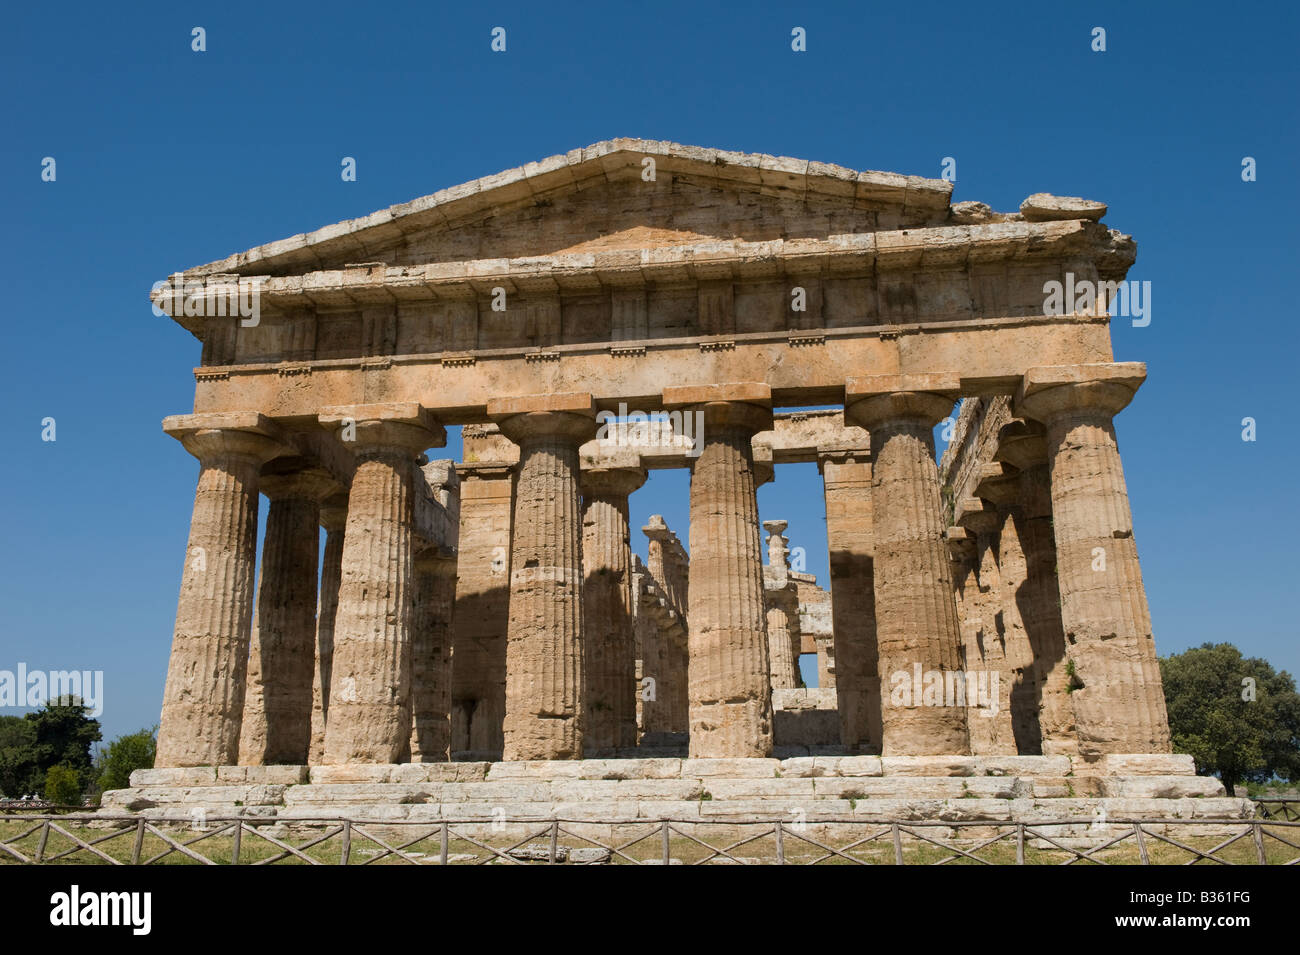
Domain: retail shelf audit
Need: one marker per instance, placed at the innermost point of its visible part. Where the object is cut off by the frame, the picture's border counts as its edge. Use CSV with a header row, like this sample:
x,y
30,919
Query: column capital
x,y
611,481
401,426
571,415
1022,444
1054,391
313,484
245,433
334,512
746,405
876,400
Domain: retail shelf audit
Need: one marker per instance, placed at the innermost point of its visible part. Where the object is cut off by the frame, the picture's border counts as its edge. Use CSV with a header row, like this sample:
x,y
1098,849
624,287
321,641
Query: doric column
x,y
277,709
370,682
333,517
782,597
730,690
987,631
544,645
846,479
1117,699
204,697
482,614
1023,444
609,637
431,647
916,615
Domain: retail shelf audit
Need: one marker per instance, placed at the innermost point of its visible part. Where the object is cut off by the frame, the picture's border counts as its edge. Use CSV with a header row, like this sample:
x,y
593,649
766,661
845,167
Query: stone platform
x,y
996,789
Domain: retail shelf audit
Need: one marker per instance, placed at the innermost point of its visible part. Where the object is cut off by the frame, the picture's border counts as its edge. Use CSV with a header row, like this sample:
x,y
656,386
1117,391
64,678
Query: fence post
x,y
139,842
238,841
780,843
1142,843
40,848
1020,843
666,840
898,845
1259,844
346,852
555,836
442,849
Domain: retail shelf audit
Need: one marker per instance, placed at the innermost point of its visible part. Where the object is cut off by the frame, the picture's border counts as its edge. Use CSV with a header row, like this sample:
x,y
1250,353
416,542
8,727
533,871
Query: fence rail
x,y
133,840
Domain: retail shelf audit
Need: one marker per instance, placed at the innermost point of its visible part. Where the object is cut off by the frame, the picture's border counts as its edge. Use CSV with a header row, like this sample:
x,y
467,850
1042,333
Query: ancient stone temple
x,y
635,306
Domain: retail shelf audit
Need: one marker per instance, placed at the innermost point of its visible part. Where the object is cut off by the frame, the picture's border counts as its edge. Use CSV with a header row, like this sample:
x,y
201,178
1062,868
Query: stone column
x,y
610,640
985,623
482,614
782,600
204,697
916,613
730,690
1023,445
333,517
1117,699
846,477
431,650
370,682
544,646
277,715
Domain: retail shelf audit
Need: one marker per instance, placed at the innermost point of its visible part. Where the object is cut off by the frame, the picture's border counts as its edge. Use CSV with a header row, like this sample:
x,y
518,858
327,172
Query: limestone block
x,y
505,794
263,775
1022,766
1160,787
929,765
175,776
1138,764
706,768
360,794
1044,207
586,790
730,790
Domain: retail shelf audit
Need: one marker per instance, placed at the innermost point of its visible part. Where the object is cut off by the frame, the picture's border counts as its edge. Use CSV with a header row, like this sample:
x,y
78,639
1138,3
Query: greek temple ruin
x,y
491,612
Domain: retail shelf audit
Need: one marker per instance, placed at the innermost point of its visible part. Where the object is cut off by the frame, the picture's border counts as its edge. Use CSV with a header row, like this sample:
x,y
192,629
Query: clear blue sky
x,y
167,158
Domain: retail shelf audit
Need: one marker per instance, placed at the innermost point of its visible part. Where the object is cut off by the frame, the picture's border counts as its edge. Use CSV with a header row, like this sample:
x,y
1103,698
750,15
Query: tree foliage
x,y
1235,715
124,755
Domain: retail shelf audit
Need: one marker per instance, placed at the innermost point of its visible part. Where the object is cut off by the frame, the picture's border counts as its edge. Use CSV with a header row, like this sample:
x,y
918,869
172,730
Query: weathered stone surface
x,y
1044,207
544,648
1117,699
916,616
730,689
610,639
203,700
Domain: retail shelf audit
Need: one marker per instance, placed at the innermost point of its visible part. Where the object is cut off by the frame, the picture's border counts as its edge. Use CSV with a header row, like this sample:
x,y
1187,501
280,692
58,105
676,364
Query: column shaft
x,y
204,696
916,614
730,689
334,520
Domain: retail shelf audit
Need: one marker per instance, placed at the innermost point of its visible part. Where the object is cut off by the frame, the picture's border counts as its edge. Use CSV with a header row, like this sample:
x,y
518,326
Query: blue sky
x,y
168,158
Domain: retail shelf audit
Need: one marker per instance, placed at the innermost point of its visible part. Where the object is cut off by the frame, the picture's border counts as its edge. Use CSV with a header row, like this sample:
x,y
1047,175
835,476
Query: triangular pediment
x,y
616,195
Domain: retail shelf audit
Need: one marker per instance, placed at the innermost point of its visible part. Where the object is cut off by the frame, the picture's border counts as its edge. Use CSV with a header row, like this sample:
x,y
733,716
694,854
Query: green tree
x,y
63,786
64,734
1236,716
19,772
123,755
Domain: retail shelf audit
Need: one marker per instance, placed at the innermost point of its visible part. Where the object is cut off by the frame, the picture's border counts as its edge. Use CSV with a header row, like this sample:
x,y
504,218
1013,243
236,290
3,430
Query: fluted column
x,y
782,599
204,697
277,708
369,717
846,479
916,614
1117,698
544,645
729,678
333,517
609,637
435,596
